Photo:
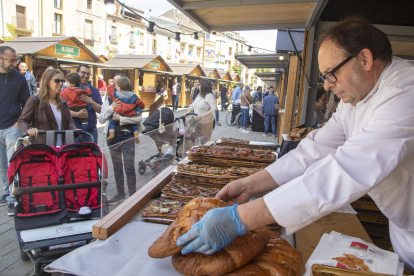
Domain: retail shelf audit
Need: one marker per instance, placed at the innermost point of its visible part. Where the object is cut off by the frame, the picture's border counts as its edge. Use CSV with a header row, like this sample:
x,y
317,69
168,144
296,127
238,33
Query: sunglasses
x,y
57,81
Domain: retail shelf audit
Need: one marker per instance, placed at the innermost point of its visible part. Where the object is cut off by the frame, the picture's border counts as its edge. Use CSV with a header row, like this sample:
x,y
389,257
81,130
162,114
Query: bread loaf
x,y
191,213
278,258
241,251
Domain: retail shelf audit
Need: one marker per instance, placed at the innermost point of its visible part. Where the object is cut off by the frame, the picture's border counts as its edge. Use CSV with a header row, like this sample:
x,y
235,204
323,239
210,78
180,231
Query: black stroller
x,y
58,196
160,161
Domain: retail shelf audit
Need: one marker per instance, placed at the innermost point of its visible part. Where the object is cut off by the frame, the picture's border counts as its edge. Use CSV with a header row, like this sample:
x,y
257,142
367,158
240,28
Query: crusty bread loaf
x,y
191,213
241,251
278,258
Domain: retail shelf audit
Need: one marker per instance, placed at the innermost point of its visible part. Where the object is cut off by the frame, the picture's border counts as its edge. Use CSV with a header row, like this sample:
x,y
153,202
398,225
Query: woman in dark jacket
x,y
52,113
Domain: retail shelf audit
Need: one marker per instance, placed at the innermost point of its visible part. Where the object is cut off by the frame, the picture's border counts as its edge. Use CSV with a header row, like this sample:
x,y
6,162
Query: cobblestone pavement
x,y
10,263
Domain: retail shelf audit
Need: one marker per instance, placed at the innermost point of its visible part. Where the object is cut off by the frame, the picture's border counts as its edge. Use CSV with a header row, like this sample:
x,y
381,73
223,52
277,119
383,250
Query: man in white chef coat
x,y
366,147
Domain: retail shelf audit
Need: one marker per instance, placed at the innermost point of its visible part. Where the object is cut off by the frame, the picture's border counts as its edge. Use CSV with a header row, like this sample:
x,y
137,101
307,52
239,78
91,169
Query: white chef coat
x,y
367,148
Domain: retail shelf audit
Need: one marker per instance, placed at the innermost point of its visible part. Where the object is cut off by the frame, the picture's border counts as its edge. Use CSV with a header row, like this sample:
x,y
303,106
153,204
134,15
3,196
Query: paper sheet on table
x,y
346,209
333,250
124,253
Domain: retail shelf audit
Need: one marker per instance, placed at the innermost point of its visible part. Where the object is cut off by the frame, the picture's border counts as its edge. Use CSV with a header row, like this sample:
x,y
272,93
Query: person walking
x,y
258,95
122,146
216,96
238,91
94,103
14,93
195,90
223,95
246,100
175,91
270,111
31,80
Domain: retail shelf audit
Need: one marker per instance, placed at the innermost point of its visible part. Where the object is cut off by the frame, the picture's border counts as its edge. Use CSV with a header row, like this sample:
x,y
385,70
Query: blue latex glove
x,y
215,230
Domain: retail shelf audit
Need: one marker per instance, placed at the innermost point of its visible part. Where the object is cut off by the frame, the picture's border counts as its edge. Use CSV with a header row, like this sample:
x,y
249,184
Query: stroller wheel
x,y
142,169
23,256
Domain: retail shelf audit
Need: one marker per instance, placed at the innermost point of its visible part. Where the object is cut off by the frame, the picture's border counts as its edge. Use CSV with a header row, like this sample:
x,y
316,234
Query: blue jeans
x,y
245,116
175,99
217,116
8,138
82,139
271,118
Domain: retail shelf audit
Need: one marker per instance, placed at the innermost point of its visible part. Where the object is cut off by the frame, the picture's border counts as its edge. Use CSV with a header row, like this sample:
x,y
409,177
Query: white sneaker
x,y
240,129
274,135
265,135
245,131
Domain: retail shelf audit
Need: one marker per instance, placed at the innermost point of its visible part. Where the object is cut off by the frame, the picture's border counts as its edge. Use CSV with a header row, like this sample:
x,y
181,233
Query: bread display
x,y
277,258
298,134
237,254
192,212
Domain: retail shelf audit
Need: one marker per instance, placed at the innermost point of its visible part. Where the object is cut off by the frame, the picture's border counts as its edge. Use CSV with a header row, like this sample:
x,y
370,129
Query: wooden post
x,y
218,90
282,89
303,80
95,76
136,82
29,63
183,96
290,94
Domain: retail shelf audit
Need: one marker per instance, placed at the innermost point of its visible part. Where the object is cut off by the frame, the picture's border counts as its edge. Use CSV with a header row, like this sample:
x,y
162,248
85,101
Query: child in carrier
x,y
129,106
72,96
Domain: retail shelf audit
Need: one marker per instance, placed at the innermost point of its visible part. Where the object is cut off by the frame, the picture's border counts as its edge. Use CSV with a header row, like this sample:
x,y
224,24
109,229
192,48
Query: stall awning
x,y
274,75
212,73
225,75
190,69
235,77
71,61
44,45
148,62
262,61
231,15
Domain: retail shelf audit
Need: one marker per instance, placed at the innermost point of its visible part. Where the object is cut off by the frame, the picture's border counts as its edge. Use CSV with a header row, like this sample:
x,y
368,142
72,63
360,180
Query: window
x,y
141,39
113,35
154,46
21,17
88,29
89,4
132,39
207,36
57,29
237,48
58,4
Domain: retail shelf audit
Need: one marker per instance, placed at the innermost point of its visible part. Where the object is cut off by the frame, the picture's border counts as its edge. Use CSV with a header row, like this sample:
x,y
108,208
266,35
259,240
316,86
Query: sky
x,y
263,39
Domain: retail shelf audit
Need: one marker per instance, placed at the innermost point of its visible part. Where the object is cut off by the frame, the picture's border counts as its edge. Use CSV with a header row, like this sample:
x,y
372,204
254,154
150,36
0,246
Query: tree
x,y
237,69
12,30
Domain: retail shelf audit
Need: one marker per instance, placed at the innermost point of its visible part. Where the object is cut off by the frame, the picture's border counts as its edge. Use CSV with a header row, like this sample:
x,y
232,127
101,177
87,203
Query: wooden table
x,y
348,224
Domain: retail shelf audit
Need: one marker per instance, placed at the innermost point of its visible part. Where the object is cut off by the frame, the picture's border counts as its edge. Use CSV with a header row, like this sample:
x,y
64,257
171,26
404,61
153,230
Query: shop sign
x,y
66,50
155,64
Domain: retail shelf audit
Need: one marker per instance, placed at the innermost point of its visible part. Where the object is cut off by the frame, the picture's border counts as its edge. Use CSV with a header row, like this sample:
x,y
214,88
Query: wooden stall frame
x,y
303,78
118,217
290,94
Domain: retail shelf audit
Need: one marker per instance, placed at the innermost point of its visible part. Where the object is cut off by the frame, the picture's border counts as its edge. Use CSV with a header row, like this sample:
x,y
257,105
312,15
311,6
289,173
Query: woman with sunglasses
x,y
52,112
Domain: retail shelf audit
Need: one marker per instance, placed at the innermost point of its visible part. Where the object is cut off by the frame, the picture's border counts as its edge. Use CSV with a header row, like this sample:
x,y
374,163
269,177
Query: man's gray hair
x,y
240,84
5,48
247,87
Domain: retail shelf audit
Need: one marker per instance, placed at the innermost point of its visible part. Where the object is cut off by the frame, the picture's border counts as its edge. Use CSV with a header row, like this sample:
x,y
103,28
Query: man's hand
x,y
33,132
215,230
116,103
83,114
86,99
235,192
116,117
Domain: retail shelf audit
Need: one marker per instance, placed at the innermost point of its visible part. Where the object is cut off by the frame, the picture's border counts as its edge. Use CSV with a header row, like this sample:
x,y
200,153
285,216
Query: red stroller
x,y
58,196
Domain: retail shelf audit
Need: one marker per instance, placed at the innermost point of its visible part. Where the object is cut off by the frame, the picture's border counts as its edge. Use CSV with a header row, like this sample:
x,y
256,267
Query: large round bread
x,y
191,213
241,251
278,258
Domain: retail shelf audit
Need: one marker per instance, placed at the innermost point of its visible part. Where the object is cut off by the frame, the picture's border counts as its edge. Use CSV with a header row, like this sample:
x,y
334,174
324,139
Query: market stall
x,y
62,52
190,73
144,72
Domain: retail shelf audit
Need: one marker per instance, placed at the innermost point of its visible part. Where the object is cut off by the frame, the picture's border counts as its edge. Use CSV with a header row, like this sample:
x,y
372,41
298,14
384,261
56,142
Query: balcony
x,y
132,44
114,40
23,25
88,41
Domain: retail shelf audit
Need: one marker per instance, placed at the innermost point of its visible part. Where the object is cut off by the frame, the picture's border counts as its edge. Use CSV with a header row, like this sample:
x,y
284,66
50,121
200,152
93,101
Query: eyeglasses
x,y
330,76
84,73
57,81
11,60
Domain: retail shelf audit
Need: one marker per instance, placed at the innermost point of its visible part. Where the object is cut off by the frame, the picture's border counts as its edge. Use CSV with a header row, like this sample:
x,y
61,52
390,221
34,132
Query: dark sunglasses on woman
x,y
59,80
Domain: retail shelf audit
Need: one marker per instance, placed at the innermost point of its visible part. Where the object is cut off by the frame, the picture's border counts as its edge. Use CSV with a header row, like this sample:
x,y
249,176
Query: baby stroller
x,y
57,196
160,161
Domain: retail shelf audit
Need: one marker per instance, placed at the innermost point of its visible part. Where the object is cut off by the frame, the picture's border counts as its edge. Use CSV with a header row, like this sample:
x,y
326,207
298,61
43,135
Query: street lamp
x,y
110,6
177,36
150,28
281,57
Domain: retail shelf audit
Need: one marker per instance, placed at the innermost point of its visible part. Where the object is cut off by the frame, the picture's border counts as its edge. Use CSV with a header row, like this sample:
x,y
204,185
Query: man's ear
x,y
367,59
